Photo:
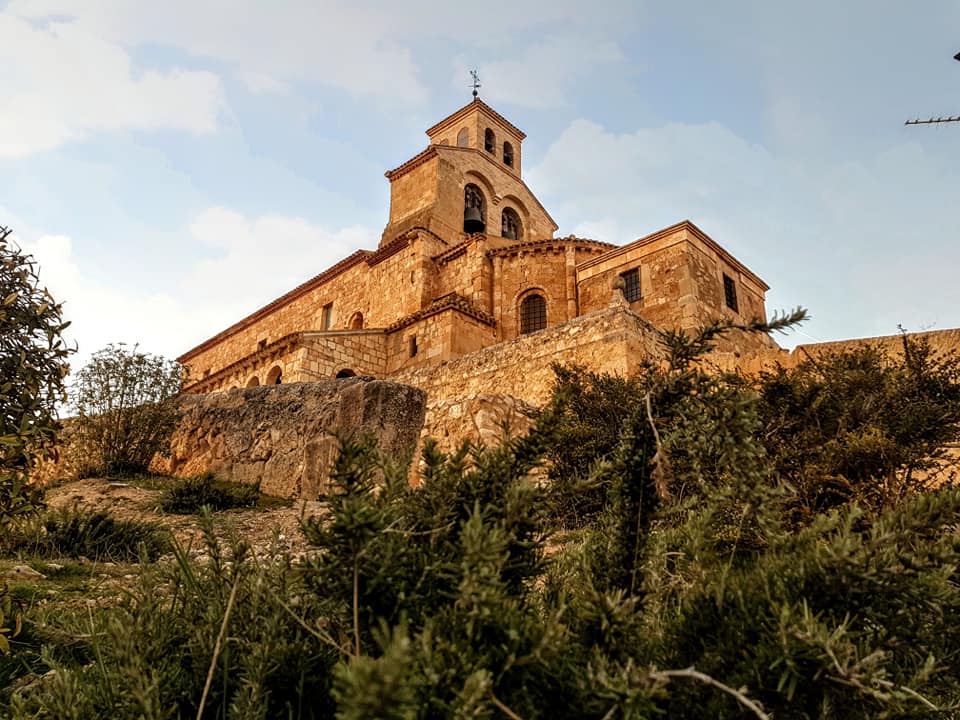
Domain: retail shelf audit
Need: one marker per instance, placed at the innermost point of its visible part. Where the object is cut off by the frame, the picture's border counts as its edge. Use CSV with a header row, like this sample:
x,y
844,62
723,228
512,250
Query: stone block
x,y
282,435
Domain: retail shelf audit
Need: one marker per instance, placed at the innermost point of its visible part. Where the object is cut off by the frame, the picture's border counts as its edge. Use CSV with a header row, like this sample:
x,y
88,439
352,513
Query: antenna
x,y
476,82
933,121
936,120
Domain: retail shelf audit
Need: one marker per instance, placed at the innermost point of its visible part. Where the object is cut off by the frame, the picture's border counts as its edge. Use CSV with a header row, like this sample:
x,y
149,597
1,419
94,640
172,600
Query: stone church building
x,y
469,262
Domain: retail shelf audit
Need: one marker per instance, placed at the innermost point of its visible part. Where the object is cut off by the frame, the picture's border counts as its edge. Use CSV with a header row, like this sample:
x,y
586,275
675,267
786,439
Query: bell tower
x,y
480,127
468,181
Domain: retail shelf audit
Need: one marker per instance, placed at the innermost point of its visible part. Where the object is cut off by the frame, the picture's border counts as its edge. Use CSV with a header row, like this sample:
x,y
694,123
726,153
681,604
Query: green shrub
x,y
154,650
33,363
189,495
125,410
685,596
860,424
594,409
75,532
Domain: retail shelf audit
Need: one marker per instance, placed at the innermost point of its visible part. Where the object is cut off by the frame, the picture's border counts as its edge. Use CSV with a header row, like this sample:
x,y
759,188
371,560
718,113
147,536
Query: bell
x,y
473,221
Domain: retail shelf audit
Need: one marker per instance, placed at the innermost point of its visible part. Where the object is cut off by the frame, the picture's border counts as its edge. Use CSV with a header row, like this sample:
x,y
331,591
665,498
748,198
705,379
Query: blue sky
x,y
176,165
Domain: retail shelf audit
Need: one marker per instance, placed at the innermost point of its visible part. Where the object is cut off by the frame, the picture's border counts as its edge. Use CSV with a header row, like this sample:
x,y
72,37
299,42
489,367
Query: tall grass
x,y
74,532
188,496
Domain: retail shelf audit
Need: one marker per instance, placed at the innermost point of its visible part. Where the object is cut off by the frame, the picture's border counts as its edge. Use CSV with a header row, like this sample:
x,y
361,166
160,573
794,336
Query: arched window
x,y
508,154
463,138
253,382
356,321
345,373
474,210
273,377
489,141
533,314
510,225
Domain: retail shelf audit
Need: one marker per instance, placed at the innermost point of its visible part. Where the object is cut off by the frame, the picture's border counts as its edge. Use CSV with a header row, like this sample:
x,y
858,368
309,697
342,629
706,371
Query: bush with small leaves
x,y
860,424
33,363
685,595
124,401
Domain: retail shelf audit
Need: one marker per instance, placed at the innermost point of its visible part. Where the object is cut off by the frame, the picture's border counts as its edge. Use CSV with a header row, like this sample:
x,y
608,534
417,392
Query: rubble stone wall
x,y
282,435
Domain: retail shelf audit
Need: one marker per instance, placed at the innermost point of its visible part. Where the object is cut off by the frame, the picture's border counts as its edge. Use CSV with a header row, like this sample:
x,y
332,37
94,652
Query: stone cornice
x,y
453,252
391,248
548,245
371,258
451,301
476,104
414,162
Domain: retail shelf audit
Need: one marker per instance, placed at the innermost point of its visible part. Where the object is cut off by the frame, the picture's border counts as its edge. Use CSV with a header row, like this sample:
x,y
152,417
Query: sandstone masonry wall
x,y
749,360
392,286
323,355
681,283
414,191
614,340
435,338
943,341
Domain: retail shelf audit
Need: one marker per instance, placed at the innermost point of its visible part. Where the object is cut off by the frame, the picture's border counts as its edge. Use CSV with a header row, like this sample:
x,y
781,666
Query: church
x,y
469,262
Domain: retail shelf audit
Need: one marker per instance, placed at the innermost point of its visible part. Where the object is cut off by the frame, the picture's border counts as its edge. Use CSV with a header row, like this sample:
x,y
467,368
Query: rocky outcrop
x,y
282,436
482,419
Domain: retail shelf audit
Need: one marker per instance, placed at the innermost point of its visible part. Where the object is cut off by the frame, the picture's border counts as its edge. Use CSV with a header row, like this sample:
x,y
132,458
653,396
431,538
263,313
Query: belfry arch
x,y
510,225
474,209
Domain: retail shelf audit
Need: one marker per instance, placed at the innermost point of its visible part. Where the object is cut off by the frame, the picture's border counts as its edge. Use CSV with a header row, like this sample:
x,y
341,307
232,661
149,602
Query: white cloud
x,y
98,313
63,82
263,84
507,23
545,74
253,262
258,259
633,183
335,43
864,244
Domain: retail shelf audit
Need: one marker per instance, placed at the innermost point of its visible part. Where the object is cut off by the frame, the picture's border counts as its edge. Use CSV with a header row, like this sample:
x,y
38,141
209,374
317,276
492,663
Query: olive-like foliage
x,y
33,364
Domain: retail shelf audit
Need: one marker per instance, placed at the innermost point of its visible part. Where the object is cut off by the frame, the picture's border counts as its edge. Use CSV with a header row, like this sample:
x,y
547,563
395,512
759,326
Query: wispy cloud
x,y
250,262
63,82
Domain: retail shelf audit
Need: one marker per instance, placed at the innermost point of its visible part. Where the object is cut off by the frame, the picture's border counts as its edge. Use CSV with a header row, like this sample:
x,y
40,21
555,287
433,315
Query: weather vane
x,y
476,82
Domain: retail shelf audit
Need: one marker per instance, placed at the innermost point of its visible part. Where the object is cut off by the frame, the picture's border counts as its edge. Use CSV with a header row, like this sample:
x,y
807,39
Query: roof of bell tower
x,y
476,106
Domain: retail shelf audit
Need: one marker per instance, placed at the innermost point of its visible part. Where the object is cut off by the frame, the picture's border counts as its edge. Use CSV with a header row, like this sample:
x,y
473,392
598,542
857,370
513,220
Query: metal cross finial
x,y
476,82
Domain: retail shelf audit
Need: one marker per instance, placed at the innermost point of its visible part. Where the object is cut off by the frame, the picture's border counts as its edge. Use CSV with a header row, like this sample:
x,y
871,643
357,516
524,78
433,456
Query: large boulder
x,y
282,436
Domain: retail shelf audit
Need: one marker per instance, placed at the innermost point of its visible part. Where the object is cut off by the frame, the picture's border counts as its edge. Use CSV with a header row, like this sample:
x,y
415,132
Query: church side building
x,y
468,260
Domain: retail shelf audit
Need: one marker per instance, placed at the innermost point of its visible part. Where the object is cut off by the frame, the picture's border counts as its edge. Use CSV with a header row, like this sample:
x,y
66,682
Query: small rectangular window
x,y
730,292
326,318
413,345
631,284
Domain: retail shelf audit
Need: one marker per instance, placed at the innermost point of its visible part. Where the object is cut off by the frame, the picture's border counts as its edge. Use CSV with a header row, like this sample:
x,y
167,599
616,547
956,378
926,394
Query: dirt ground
x,y
267,530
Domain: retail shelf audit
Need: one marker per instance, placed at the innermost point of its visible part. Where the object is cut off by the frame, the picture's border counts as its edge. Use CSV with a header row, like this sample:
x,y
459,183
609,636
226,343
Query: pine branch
x,y
690,672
